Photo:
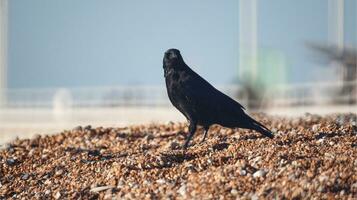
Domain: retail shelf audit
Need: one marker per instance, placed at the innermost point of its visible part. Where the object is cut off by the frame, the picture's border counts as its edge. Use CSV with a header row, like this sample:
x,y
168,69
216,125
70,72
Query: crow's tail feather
x,y
262,129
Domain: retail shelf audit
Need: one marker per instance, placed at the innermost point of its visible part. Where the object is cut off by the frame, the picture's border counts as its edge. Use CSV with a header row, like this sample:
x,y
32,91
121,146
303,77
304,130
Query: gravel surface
x,y
310,157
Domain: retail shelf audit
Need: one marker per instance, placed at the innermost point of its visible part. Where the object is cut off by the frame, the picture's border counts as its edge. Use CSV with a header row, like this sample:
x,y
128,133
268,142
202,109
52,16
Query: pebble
x,y
297,194
340,120
354,185
257,160
108,195
25,176
78,128
254,197
182,190
57,195
11,162
48,182
149,136
234,192
88,127
315,127
59,172
242,172
174,145
323,178
321,188
101,188
259,173
191,167
320,140
160,181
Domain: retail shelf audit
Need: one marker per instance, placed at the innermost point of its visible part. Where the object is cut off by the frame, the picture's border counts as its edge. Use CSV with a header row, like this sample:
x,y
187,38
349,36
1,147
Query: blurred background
x,y
68,63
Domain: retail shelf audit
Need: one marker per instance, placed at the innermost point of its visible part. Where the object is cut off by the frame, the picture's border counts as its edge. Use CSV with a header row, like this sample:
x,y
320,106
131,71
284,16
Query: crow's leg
x,y
205,133
192,130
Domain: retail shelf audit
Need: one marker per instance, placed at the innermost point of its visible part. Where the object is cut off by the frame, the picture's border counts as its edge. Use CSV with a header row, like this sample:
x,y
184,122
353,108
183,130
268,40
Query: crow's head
x,y
172,58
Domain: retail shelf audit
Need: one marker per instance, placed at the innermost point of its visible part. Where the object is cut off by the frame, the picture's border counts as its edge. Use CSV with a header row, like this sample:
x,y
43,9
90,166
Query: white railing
x,y
281,95
326,93
94,97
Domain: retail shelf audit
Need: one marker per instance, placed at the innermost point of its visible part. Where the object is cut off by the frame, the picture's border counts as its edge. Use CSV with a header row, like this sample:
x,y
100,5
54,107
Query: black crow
x,y
200,102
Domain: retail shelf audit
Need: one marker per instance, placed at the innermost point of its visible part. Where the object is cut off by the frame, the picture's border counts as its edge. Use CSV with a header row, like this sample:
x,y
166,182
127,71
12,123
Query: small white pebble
x,y
98,189
315,127
320,140
57,195
323,178
294,163
234,191
257,159
48,182
160,181
59,172
182,190
242,172
254,197
342,192
320,188
259,173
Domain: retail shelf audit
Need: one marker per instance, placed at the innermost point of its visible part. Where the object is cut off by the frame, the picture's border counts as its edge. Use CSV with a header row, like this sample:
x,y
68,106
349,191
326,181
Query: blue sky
x,y
85,43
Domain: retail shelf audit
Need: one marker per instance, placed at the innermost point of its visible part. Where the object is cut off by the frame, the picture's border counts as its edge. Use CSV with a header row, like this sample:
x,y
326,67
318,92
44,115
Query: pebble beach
x,y
311,157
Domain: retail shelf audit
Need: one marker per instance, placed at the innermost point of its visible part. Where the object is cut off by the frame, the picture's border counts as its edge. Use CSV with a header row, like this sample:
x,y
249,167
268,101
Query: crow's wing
x,y
208,100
